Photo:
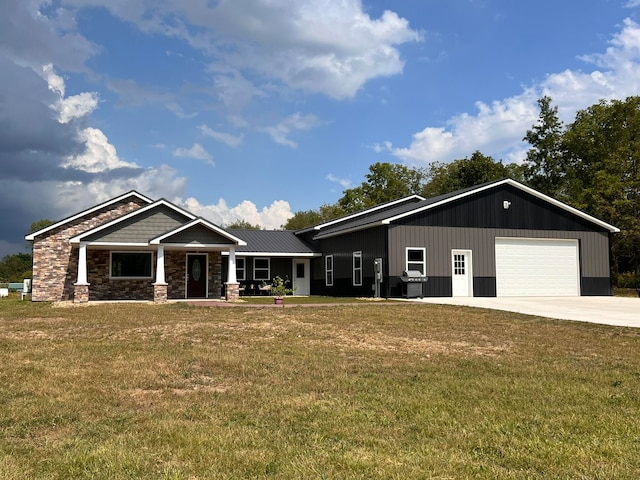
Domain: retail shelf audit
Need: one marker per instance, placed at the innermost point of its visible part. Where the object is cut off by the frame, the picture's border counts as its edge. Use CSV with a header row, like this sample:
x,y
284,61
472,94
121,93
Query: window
x,y
458,264
328,270
241,270
131,264
261,269
416,259
357,269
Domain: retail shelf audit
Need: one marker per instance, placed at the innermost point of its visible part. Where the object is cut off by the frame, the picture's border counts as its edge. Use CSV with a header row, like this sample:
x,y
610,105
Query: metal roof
x,y
272,243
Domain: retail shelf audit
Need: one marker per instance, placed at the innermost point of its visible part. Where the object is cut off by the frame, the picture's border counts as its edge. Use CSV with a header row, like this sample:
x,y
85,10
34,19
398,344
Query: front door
x,y
301,282
461,274
196,276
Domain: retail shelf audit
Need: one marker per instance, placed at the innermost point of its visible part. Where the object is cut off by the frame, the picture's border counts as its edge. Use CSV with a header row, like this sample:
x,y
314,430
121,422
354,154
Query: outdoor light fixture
x,y
506,204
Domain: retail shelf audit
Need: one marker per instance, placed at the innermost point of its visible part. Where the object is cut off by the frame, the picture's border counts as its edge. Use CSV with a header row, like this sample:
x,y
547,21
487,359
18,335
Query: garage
x,y
538,267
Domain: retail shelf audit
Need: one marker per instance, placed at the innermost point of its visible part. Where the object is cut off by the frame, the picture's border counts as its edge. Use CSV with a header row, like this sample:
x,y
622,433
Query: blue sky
x,y
255,109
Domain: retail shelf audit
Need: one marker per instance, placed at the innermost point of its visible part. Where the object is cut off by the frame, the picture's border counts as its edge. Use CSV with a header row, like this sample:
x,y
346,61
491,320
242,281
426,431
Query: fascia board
x,y
32,236
78,238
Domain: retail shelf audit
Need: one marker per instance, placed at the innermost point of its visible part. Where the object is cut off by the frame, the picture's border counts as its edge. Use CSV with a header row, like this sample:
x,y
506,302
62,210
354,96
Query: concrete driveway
x,y
618,311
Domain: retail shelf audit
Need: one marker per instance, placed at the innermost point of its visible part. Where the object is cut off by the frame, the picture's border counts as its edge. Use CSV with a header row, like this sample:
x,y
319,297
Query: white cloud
x,y
269,217
343,182
72,107
497,129
296,122
197,152
229,139
99,155
332,48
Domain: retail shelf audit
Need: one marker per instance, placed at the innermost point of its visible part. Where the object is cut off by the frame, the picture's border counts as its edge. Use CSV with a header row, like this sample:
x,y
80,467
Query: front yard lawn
x,y
393,390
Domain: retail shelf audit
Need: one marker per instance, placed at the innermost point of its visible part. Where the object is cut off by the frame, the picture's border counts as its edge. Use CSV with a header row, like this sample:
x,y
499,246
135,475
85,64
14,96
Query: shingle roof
x,y
273,242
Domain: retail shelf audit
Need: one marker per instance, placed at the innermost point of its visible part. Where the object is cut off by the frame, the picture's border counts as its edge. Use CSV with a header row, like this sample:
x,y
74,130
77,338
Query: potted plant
x,y
279,289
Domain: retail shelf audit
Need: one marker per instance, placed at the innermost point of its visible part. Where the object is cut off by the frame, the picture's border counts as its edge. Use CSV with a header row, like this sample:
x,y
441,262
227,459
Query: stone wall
x,y
101,287
55,261
175,264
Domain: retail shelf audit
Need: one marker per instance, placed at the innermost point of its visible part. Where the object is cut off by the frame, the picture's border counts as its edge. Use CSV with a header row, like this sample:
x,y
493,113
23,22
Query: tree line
x,y
592,164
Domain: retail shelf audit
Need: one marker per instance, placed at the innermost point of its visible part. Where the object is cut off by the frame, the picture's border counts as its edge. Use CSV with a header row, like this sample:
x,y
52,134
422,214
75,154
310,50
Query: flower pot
x,y
278,300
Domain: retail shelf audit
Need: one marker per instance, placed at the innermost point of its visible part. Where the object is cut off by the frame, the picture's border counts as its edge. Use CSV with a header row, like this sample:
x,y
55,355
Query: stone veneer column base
x,y
232,292
81,293
160,292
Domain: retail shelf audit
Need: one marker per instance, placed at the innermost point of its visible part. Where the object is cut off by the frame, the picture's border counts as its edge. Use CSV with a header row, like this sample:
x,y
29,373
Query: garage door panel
x,y
537,267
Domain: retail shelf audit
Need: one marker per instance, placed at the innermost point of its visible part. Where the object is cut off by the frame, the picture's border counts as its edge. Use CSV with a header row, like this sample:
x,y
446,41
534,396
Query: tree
x,y
384,182
603,172
545,168
40,224
465,173
308,218
242,225
15,268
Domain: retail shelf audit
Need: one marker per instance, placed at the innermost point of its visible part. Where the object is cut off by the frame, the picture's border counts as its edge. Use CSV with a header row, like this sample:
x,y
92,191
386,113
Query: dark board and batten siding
x,y
371,242
485,210
439,241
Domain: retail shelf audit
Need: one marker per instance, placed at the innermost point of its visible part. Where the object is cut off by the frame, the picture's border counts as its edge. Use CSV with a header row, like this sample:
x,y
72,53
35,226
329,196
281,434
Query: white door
x,y
301,281
537,267
461,273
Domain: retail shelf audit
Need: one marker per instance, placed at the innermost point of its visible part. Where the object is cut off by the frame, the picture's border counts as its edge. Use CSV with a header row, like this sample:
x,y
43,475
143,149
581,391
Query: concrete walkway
x,y
618,311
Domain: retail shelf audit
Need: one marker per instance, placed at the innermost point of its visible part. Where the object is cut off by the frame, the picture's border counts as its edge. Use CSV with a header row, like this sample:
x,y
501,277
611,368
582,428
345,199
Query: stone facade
x,y
232,292
175,265
55,261
101,287
55,265
160,292
81,294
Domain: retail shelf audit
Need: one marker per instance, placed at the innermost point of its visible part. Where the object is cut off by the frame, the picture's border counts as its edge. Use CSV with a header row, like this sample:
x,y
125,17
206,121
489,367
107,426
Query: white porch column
x,y
82,265
231,274
160,266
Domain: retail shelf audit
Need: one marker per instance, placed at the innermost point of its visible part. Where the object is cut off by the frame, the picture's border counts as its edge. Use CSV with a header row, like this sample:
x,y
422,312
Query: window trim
x,y
268,269
328,272
243,269
423,263
138,252
357,255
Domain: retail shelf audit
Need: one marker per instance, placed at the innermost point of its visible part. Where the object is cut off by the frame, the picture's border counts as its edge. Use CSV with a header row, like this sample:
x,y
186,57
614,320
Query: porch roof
x,y
273,243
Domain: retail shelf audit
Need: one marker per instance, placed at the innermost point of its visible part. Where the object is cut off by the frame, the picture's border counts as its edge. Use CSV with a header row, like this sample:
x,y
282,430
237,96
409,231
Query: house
x,y
497,239
127,248
501,238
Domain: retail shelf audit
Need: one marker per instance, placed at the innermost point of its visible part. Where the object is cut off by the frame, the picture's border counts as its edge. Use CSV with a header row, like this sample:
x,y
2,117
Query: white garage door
x,y
528,267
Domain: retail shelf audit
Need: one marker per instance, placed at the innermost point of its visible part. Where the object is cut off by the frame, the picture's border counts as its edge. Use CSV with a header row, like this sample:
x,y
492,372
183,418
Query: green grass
x,y
117,391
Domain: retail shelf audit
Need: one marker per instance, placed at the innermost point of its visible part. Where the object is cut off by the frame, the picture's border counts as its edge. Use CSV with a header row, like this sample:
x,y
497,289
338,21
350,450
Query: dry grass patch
x,y
349,391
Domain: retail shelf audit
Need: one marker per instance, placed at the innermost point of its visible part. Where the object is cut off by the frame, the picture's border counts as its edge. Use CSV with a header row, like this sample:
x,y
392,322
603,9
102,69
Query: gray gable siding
x,y
485,210
142,227
197,235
